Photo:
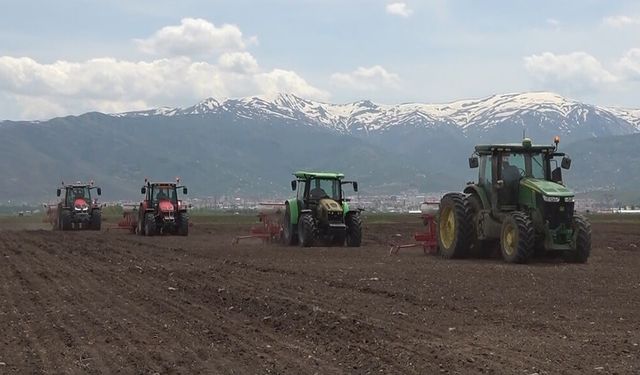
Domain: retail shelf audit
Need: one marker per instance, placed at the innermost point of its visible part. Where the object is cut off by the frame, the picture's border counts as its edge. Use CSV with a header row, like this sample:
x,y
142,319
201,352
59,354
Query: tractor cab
x,y
508,173
314,187
77,194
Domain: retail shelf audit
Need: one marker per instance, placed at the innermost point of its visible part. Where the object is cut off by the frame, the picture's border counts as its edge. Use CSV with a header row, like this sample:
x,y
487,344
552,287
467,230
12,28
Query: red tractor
x,y
76,210
162,212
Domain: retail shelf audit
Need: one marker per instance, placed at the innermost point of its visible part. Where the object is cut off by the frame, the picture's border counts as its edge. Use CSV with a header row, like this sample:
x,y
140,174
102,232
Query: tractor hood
x,y
80,204
330,205
544,187
166,205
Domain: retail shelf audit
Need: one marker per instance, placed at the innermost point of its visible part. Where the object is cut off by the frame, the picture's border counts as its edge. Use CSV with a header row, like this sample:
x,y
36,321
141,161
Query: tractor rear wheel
x,y
288,229
517,238
96,220
581,240
307,230
354,229
149,225
454,226
183,225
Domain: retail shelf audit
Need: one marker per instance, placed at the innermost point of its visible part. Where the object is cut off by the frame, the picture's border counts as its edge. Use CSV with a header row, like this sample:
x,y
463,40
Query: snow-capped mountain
x,y
251,145
537,113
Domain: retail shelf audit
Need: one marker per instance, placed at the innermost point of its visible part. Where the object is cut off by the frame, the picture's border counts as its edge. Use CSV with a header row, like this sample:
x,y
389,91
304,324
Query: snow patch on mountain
x,y
541,109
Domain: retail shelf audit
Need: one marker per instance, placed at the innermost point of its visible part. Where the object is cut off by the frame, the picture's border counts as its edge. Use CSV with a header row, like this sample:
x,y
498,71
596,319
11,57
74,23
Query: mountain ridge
x,y
366,116
249,146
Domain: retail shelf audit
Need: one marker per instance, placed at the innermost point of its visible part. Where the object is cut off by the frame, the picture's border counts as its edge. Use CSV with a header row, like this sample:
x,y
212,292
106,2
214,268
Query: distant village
x,y
408,202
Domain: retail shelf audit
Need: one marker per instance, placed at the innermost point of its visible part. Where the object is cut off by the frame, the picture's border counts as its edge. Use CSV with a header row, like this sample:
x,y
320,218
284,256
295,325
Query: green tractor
x,y
520,202
320,212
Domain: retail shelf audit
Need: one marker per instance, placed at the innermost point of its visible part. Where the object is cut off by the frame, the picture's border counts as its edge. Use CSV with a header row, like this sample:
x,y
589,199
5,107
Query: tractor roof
x,y
163,184
328,175
524,147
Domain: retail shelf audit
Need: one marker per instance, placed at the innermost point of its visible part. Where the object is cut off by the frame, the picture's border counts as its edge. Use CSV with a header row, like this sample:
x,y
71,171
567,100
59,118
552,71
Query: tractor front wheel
x,y
581,241
96,220
454,226
354,230
288,229
307,230
183,225
517,238
149,225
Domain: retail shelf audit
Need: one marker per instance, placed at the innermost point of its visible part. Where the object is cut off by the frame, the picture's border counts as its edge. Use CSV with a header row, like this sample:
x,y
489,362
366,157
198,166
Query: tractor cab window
x,y
324,188
485,171
78,193
537,166
513,167
301,187
161,193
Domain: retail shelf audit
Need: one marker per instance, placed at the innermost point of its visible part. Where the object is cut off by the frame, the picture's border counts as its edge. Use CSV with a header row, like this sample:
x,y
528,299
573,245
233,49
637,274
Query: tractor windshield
x,y
516,165
164,192
324,188
537,166
78,192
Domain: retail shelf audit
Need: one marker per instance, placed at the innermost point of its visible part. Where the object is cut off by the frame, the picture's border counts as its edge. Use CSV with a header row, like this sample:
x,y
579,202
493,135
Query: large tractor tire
x,y
581,240
289,235
307,230
354,229
96,220
477,247
149,225
65,220
517,238
454,226
183,225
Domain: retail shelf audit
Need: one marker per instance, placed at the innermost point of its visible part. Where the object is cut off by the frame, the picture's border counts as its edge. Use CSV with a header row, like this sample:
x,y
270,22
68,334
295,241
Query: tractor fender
x,y
476,190
345,208
293,210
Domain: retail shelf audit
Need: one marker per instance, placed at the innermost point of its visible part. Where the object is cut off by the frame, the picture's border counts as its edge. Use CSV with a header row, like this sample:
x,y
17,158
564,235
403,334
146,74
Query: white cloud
x,y
178,78
399,9
629,64
109,85
239,62
279,80
194,37
573,72
621,21
372,78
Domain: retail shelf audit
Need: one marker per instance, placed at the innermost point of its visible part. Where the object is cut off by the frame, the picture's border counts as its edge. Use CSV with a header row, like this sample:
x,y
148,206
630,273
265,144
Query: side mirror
x,y
294,185
566,162
143,190
184,190
99,190
499,184
473,162
556,175
58,192
355,186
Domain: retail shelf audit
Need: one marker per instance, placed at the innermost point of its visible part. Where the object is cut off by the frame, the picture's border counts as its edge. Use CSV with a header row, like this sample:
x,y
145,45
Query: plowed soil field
x,y
111,302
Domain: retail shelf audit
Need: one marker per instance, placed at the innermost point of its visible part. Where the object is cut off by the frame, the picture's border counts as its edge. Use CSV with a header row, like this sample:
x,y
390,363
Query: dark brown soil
x,y
111,302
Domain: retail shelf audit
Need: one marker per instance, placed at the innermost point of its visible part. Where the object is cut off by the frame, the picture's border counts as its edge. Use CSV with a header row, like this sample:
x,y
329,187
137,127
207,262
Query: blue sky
x,y
68,57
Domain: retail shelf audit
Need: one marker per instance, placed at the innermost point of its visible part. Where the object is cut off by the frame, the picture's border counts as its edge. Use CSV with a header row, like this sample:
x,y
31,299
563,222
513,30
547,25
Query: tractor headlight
x,y
547,198
569,199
